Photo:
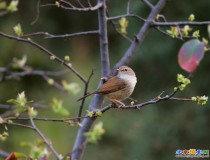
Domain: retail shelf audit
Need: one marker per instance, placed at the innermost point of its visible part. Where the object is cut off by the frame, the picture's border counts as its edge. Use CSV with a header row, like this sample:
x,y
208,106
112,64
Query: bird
x,y
118,87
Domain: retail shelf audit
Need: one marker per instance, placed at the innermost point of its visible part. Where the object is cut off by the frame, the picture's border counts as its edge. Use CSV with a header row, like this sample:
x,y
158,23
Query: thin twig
x,y
183,23
72,35
66,120
85,92
126,15
18,124
89,3
150,5
68,3
128,6
48,35
94,8
78,1
55,84
45,139
37,13
35,34
181,99
153,101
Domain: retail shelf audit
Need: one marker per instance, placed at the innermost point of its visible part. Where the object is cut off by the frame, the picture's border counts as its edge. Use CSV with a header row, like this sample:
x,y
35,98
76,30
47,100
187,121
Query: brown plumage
x,y
118,87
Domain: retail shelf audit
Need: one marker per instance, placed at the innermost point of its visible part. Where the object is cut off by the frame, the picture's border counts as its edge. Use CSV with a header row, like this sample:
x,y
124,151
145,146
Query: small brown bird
x,y
119,87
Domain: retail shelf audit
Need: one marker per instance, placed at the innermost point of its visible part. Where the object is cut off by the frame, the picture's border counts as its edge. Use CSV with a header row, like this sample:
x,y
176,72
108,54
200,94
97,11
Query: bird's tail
x,y
87,95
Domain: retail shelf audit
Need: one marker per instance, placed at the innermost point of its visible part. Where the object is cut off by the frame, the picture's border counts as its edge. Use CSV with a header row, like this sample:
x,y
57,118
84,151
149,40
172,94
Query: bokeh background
x,y
156,131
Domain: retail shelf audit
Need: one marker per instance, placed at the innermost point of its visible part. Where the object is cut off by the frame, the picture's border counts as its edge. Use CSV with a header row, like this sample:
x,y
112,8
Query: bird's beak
x,y
117,69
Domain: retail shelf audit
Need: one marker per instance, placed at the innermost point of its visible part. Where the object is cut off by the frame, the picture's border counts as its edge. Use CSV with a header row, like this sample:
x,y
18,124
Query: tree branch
x,y
3,154
138,106
126,15
150,5
73,8
168,24
72,35
141,34
29,41
80,142
44,139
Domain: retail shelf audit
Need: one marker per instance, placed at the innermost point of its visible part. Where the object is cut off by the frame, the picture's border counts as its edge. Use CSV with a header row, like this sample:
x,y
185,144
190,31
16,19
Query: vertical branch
x,y
104,51
128,7
80,142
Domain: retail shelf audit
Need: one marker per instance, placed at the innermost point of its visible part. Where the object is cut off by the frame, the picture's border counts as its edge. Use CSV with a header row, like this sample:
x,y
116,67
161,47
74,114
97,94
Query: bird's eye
x,y
126,70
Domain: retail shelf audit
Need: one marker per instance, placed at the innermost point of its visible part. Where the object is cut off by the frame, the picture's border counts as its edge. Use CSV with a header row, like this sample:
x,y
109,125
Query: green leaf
x,y
13,101
32,112
72,88
123,25
183,82
174,32
4,136
202,100
196,34
57,4
22,103
37,149
96,134
52,57
98,113
67,58
18,30
50,81
90,113
57,106
194,99
62,111
13,6
191,17
185,30
19,63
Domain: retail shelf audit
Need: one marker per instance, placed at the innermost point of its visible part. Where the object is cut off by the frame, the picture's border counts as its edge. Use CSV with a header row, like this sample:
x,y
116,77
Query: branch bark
x,y
80,142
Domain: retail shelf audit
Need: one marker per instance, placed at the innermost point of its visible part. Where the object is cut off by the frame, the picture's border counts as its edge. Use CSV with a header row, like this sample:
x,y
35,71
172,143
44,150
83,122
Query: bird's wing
x,y
112,85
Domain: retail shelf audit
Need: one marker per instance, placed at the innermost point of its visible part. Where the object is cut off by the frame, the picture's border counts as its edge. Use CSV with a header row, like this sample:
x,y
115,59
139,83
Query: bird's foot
x,y
118,103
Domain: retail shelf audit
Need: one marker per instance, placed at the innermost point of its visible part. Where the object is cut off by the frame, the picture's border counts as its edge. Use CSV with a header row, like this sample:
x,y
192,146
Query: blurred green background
x,y
155,132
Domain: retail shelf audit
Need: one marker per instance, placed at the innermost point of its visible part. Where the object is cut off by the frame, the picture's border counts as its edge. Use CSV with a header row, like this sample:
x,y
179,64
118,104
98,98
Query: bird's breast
x,y
124,93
